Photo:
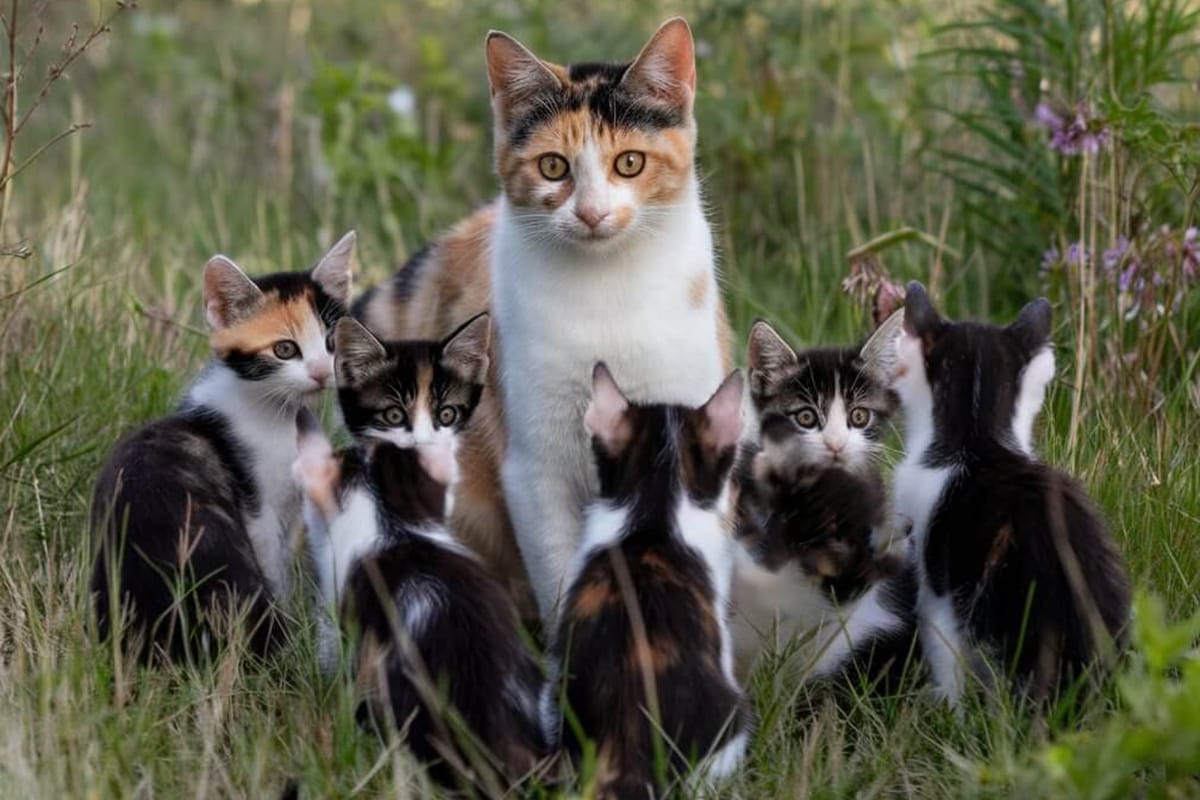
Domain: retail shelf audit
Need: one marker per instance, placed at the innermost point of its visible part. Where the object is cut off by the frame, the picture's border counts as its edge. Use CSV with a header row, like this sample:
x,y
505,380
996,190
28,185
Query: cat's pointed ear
x,y
465,352
606,416
878,354
665,71
723,413
355,351
516,77
229,294
766,354
921,319
332,272
1032,325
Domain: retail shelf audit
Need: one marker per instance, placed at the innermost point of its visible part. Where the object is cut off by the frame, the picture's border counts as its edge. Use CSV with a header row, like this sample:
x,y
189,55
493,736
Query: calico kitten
x,y
440,651
192,513
600,238
642,645
810,504
1014,562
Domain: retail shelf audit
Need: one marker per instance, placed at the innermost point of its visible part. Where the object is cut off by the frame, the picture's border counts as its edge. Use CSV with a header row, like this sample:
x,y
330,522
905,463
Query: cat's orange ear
x,y
515,75
665,71
723,413
229,294
605,417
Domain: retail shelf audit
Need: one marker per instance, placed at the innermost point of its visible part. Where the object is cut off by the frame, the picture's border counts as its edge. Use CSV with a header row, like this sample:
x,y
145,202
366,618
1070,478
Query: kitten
x,y
192,513
440,645
642,644
1013,560
810,504
597,248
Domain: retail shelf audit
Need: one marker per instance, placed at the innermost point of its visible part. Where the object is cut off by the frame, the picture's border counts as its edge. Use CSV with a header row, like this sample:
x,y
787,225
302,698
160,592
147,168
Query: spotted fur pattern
x,y
642,636
1018,574
192,514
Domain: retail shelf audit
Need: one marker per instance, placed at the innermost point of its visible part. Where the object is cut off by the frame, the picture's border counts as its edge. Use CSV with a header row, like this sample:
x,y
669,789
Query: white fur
x,y
852,625
1032,393
722,762
262,415
704,530
779,605
942,644
562,304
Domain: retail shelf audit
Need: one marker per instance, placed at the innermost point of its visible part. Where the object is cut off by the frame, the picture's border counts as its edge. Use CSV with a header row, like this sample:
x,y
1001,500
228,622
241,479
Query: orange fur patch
x,y
294,319
594,598
698,290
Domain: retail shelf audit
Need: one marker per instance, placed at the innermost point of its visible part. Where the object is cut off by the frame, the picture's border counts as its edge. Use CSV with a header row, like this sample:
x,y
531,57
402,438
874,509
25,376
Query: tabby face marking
x,y
834,399
410,394
586,153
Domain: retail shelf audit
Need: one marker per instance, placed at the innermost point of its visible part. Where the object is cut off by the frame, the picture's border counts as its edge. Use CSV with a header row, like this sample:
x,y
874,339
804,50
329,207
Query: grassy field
x,y
838,139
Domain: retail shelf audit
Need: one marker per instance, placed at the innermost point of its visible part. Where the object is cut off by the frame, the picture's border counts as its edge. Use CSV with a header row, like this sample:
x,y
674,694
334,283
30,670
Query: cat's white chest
x,y
918,490
278,514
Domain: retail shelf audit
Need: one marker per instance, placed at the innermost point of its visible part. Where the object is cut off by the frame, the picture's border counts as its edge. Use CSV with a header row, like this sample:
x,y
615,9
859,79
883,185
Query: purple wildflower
x,y
1081,133
1077,255
1112,256
1191,252
1050,259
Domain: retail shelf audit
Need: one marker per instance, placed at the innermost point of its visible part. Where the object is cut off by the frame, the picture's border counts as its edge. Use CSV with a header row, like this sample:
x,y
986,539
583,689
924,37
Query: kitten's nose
x,y
319,373
836,446
590,215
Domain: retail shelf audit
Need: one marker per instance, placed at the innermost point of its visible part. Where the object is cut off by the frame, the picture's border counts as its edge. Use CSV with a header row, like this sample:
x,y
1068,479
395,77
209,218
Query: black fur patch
x,y
181,483
604,663
597,88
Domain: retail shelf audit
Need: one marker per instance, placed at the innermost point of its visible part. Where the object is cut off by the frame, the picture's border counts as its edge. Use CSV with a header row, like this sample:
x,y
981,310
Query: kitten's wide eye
x,y
805,418
859,417
553,167
393,415
447,416
630,163
286,349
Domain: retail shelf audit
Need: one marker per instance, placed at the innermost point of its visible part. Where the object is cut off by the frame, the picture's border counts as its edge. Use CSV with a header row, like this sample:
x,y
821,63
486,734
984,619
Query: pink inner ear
x,y
724,412
607,407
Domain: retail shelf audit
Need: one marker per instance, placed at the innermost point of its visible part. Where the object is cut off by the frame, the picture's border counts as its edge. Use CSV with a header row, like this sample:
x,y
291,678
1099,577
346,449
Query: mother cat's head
x,y
590,155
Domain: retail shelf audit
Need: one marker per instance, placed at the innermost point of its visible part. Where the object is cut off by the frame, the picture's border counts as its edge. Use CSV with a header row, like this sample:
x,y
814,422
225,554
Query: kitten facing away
x,y
440,654
192,514
641,658
600,232
1017,572
810,508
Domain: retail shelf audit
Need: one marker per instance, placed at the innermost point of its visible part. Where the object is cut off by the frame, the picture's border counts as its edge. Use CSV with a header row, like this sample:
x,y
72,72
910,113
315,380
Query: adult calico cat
x,y
598,248
191,514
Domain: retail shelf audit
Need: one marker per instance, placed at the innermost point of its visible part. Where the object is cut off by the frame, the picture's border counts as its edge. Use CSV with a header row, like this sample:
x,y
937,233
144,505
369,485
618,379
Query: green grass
x,y
257,130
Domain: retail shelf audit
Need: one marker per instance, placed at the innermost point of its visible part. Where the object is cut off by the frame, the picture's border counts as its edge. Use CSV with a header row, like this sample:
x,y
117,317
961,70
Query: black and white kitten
x,y
440,647
1015,564
642,653
192,514
811,505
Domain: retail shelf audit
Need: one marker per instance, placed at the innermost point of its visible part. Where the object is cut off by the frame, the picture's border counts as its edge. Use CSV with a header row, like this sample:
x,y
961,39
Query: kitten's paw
x,y
315,470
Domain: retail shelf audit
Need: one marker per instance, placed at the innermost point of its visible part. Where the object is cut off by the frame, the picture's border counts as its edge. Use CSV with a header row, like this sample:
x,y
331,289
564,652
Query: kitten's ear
x,y
1032,325
332,273
606,417
921,319
665,71
516,77
723,413
355,351
766,354
465,352
878,354
229,294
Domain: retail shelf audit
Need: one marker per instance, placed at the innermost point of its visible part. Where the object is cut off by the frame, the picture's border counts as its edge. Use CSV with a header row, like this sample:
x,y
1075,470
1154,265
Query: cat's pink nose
x,y
319,373
591,216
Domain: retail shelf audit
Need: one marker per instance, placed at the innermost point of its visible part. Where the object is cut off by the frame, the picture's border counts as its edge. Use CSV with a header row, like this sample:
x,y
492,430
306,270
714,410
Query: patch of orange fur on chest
x,y
295,319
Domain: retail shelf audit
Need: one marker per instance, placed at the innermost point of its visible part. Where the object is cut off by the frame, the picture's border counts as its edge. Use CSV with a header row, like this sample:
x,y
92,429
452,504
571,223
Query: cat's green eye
x,y
859,417
447,416
393,415
630,163
553,167
286,349
805,417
